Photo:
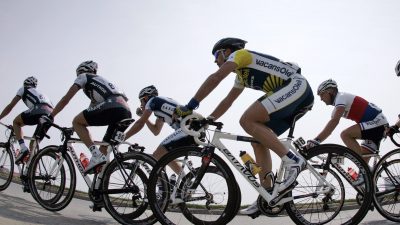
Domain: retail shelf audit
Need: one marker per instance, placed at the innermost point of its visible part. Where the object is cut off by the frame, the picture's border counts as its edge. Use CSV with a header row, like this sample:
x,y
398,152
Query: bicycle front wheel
x,y
52,178
6,166
326,193
214,201
124,188
387,179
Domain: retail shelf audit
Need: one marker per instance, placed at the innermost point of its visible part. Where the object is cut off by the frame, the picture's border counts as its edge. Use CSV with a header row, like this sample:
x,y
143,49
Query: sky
x,y
168,44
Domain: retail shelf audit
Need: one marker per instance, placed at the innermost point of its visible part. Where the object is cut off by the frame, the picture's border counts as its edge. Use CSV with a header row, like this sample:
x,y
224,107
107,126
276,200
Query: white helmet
x,y
325,85
397,68
87,67
30,82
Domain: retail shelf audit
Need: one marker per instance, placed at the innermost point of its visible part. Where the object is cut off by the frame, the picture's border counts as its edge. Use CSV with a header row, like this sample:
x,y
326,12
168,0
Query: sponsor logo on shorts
x,y
96,107
288,94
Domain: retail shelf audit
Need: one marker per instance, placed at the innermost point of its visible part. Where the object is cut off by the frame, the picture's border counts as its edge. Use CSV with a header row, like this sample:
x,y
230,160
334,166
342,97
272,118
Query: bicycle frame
x,y
287,142
272,199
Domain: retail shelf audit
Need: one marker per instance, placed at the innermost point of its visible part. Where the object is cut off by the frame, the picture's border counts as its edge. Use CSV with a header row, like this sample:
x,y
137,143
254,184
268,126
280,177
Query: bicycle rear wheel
x,y
387,179
214,201
321,203
51,182
6,166
124,188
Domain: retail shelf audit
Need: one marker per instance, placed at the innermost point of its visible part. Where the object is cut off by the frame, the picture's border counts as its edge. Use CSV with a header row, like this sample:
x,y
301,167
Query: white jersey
x,y
163,108
31,97
97,88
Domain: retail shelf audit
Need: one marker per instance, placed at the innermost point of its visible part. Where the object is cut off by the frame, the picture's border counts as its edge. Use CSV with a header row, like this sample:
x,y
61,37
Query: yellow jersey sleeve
x,y
241,57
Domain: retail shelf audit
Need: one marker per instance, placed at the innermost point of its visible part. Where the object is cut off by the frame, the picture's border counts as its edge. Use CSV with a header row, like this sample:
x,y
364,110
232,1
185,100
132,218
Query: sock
x,y
22,145
290,156
95,151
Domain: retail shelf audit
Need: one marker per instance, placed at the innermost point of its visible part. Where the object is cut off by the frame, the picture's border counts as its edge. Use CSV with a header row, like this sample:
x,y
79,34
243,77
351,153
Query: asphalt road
x,y
18,208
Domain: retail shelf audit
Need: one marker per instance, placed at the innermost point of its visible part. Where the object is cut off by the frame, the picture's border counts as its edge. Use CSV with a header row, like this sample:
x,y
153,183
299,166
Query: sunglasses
x,y
216,54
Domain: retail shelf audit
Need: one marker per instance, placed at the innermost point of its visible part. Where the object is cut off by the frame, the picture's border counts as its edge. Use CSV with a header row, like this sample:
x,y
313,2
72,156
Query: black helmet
x,y
234,43
397,68
150,90
30,82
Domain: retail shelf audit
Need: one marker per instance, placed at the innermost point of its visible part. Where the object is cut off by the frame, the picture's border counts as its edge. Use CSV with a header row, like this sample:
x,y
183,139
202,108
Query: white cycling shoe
x,y
253,208
96,160
292,170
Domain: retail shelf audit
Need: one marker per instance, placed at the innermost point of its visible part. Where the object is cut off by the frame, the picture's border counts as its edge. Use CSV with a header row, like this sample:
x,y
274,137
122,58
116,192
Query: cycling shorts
x,y
109,112
178,139
31,117
284,104
372,132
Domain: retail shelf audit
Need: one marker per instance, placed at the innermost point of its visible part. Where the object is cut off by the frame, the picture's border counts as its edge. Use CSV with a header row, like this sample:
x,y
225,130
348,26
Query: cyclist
x,y
285,92
370,121
108,106
163,108
38,104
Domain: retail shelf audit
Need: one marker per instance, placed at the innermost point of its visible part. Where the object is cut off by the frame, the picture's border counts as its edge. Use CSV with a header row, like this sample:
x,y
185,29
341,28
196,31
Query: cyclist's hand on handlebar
x,y
46,119
312,143
392,130
182,111
139,111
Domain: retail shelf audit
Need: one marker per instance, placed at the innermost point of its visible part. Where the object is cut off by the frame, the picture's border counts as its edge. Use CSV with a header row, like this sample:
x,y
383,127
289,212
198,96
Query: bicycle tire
x,y
185,210
395,138
127,204
231,204
6,166
302,213
387,179
52,193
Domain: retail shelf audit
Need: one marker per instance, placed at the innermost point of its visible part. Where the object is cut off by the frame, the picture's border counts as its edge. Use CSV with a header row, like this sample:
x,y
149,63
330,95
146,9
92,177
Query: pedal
x,y
96,207
26,188
255,215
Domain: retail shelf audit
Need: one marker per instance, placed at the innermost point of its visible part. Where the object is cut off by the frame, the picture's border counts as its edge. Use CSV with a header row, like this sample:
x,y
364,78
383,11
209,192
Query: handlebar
x,y
394,140
195,125
7,126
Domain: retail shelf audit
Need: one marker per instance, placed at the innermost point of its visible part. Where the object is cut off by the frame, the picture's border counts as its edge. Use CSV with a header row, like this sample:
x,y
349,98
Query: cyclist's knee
x,y
17,122
79,120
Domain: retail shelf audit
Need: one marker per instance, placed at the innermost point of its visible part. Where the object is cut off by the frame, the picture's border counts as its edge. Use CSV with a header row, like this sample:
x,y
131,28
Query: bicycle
x,y
8,152
317,197
386,176
119,186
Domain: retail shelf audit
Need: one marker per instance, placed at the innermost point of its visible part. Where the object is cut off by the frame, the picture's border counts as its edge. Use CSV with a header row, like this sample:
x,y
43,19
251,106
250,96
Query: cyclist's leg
x,y
273,112
263,157
80,127
350,136
21,120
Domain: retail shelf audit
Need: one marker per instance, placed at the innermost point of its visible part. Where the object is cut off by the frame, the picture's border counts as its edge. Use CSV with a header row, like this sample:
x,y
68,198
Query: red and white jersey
x,y
356,108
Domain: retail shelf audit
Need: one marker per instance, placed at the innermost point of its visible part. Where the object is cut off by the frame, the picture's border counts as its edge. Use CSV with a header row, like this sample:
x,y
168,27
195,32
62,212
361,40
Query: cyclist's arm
x,y
9,107
331,125
156,127
226,103
65,100
214,79
139,124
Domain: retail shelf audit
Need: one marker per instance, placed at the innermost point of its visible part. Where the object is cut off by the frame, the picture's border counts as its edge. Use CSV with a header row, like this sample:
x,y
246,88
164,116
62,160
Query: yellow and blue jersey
x,y
260,71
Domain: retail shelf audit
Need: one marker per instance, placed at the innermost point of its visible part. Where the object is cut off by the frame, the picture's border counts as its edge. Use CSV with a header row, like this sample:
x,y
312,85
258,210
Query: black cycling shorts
x,y
107,113
31,117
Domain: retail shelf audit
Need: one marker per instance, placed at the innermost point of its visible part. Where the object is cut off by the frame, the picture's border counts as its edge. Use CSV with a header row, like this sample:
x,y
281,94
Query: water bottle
x,y
249,163
84,160
172,181
353,174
